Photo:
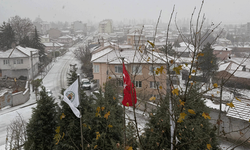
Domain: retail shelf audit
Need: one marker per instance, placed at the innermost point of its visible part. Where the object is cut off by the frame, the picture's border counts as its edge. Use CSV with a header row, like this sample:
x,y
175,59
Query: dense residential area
x,y
130,84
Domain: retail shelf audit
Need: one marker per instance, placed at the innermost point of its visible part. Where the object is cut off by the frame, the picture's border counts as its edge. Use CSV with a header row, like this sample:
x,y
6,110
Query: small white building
x,y
17,62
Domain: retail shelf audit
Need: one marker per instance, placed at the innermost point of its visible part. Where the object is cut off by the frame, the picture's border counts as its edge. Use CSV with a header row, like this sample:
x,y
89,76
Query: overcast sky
x,y
226,11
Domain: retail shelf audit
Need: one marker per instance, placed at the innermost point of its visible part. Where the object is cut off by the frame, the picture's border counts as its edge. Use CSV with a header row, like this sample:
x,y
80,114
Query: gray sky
x,y
227,11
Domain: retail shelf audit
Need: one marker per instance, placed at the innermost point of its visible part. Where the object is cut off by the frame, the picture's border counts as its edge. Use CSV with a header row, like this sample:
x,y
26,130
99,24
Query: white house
x,y
17,62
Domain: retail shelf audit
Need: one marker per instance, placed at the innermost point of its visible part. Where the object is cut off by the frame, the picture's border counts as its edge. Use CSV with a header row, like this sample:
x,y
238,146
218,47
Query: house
x,y
222,52
106,26
19,61
53,46
45,38
238,72
66,40
185,50
107,66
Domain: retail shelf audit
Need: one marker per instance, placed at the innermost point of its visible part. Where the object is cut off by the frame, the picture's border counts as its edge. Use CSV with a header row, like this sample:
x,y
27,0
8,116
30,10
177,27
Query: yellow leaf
x,y
156,72
62,116
95,147
97,114
114,98
206,115
175,91
237,99
98,109
183,115
209,146
130,148
189,76
97,135
212,95
63,135
160,87
249,120
89,128
152,44
84,125
160,70
109,77
193,71
215,85
107,115
57,129
230,105
218,92
110,126
181,102
152,98
172,61
211,62
191,111
180,120
102,108
186,64
177,69
127,104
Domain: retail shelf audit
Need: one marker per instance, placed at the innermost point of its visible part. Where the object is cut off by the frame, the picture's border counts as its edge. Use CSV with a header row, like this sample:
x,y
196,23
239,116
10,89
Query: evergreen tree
x,y
108,121
207,61
26,42
42,125
36,43
194,132
7,36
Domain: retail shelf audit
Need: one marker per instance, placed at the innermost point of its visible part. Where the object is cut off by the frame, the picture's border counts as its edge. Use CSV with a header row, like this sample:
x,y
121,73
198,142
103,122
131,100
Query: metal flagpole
x,y
79,96
124,121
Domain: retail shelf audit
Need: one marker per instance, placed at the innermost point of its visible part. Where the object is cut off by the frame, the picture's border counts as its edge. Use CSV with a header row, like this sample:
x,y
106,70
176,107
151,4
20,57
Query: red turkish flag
x,y
129,93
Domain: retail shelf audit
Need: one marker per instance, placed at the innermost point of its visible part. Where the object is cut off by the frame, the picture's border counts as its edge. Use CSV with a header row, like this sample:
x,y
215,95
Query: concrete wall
x,y
20,97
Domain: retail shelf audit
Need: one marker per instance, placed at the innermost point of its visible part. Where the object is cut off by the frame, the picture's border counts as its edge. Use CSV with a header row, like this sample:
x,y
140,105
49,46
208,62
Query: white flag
x,y
71,97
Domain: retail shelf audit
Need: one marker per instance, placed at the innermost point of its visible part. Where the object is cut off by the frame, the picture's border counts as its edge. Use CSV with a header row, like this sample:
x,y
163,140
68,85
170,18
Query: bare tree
x,y
21,26
16,134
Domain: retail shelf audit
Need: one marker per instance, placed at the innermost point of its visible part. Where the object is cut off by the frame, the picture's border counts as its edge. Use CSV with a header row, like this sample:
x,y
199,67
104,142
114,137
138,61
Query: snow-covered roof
x,y
17,52
51,44
241,109
65,37
221,48
224,66
184,47
131,56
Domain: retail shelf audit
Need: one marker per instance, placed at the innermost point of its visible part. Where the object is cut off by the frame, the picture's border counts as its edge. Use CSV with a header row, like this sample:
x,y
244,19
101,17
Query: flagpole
x,y
124,120
79,95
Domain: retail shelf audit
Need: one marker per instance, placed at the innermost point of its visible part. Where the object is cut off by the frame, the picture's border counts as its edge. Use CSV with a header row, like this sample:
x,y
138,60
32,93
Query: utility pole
x,y
32,74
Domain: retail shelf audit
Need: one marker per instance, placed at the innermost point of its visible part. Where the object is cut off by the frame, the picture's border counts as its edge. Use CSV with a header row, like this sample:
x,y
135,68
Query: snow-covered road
x,y
54,80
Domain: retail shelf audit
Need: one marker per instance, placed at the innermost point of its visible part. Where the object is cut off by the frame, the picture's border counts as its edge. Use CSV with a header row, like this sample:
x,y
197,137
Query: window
x,y
19,61
137,69
96,68
14,61
152,69
138,84
118,69
153,84
6,61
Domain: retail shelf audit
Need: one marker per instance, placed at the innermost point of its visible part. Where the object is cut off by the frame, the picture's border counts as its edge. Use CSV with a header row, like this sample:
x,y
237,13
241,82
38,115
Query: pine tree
x,y
108,121
207,61
194,132
7,36
36,43
42,125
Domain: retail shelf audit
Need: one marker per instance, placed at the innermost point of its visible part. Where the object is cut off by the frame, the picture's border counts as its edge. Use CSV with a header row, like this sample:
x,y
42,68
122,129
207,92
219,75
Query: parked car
x,y
86,84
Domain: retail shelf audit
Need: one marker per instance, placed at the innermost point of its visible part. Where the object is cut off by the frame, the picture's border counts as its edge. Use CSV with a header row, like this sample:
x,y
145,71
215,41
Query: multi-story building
x,y
106,26
19,61
141,65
